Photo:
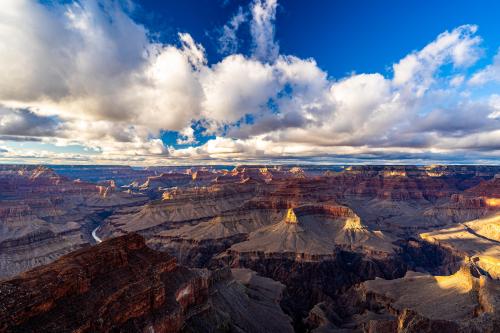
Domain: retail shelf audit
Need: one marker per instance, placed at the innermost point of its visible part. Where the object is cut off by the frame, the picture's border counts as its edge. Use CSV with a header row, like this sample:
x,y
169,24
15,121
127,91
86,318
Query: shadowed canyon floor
x,y
250,249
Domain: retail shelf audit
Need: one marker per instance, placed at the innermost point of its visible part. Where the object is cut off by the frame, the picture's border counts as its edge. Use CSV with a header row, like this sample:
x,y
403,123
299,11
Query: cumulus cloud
x,y
84,73
236,86
63,53
415,111
459,47
91,66
186,136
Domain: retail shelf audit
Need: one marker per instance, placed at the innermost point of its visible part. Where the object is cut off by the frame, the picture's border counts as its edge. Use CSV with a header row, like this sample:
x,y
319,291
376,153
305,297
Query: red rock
x,y
122,285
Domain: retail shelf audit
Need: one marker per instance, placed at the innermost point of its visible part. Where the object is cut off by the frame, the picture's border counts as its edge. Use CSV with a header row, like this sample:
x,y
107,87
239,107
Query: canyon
x,y
250,249
92,290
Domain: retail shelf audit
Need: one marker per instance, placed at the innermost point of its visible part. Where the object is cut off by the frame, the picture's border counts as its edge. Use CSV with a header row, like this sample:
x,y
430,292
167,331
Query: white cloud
x,y
459,47
228,39
93,67
357,98
489,74
236,86
262,29
495,105
85,73
186,136
457,80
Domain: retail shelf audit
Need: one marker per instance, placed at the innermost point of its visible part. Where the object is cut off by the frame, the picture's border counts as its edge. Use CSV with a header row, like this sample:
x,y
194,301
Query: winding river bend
x,y
94,235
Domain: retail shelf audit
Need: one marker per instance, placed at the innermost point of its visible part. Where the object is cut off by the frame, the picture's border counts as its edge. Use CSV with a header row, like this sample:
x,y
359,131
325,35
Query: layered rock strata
x,y
44,215
122,285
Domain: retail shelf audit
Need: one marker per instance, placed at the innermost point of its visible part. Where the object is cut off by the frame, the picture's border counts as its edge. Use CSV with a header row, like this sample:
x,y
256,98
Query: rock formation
x,y
313,231
44,215
346,248
461,302
477,241
122,285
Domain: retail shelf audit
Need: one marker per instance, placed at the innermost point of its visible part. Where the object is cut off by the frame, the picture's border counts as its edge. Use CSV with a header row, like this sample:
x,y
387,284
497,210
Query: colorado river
x,y
97,239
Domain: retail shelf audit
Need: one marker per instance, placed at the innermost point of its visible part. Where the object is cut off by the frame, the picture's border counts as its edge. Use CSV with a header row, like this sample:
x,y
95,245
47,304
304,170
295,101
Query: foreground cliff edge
x,y
121,285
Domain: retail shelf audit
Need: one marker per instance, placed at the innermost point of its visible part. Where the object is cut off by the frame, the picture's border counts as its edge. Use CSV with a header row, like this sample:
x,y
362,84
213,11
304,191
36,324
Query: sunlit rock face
x,y
313,231
465,301
492,202
476,240
489,191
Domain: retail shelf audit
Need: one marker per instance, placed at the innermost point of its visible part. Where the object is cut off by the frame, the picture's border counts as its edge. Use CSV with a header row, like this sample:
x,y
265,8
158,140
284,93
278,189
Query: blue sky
x,y
180,82
343,36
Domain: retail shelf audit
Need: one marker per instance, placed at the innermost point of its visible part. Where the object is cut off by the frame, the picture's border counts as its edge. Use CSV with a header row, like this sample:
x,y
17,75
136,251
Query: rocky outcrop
x,y
463,171
406,200
249,303
462,302
166,180
178,207
321,318
202,177
477,241
475,202
392,185
120,174
44,215
307,231
311,232
316,251
460,208
488,188
38,247
122,285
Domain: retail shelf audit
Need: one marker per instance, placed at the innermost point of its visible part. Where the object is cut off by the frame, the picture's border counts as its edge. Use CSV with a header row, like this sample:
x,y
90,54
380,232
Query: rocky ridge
x,y
122,285
44,215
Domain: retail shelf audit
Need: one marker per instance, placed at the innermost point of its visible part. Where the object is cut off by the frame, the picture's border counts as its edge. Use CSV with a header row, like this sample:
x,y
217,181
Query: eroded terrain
x,y
360,248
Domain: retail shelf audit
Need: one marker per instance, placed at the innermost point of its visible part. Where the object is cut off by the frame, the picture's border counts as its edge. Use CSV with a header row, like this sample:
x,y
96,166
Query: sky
x,y
257,81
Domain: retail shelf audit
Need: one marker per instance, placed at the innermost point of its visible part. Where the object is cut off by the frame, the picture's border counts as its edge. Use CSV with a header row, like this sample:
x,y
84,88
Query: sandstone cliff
x,y
122,285
462,302
44,215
